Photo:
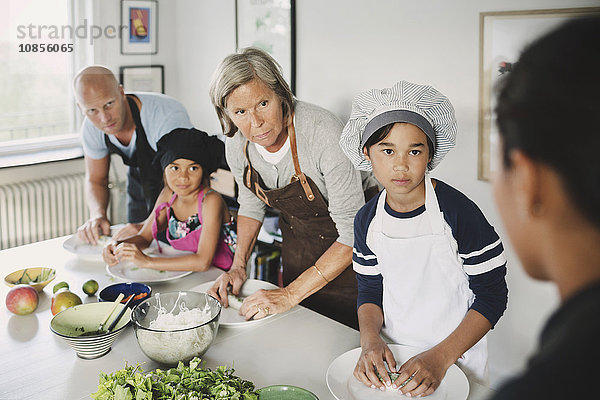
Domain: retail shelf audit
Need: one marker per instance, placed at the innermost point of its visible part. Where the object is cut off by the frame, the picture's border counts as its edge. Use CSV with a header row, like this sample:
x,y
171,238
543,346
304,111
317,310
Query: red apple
x,y
22,300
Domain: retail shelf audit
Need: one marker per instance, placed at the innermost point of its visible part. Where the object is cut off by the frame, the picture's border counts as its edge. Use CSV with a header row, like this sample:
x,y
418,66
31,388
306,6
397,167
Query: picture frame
x,y
141,19
502,37
271,26
142,78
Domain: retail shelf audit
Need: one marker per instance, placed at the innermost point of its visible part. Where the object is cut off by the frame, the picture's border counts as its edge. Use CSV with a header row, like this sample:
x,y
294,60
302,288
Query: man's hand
x,y
90,231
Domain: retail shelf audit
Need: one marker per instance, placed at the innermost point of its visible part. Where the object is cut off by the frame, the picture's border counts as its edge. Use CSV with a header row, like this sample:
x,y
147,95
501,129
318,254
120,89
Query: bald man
x,y
129,125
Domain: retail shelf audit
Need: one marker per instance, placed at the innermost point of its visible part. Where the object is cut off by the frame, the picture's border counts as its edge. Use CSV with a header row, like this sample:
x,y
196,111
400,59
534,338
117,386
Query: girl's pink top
x,y
223,255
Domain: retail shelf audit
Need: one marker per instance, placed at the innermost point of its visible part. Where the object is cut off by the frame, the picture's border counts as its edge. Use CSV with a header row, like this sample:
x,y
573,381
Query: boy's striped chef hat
x,y
420,105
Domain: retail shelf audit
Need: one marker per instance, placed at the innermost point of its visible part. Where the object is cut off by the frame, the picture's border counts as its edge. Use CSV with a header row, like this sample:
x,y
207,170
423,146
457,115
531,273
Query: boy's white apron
x,y
426,293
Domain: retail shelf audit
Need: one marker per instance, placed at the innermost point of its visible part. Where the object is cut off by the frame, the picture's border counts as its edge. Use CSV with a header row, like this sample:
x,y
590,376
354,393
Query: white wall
x,y
107,51
205,35
193,37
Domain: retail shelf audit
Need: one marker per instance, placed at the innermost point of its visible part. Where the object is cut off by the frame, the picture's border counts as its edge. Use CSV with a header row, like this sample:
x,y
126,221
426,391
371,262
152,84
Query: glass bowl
x,y
176,326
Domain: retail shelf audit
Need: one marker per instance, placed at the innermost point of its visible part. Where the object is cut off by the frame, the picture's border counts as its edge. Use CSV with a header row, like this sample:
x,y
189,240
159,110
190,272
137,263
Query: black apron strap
x,y
150,176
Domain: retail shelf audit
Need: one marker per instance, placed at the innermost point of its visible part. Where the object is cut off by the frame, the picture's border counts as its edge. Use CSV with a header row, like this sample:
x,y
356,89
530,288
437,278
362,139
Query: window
x,y
37,104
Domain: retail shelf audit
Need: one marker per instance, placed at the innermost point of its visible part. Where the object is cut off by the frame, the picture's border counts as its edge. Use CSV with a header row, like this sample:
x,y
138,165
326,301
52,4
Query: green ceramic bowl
x,y
77,324
285,392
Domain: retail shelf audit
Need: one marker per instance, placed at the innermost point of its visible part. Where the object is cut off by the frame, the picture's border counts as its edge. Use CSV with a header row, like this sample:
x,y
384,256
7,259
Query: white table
x,y
293,348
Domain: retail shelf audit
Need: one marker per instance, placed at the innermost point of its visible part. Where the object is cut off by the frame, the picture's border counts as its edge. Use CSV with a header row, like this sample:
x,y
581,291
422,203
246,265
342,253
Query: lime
x,y
90,287
59,286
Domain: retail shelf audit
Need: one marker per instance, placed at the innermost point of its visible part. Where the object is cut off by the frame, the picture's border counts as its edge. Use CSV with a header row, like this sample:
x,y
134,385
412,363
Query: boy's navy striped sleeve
x,y
479,245
364,260
370,290
491,293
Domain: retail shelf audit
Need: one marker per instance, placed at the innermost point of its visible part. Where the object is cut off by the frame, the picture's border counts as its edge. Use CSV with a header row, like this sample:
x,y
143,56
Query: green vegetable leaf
x,y
192,382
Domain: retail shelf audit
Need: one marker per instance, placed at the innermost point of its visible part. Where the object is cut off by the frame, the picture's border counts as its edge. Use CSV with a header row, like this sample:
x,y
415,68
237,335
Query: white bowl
x,y
75,321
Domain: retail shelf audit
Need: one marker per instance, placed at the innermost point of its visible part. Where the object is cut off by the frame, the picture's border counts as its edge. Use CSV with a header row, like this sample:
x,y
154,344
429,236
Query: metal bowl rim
x,y
137,325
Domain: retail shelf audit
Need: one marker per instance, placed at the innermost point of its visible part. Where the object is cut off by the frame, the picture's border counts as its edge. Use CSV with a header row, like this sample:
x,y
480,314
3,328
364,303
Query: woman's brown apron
x,y
308,231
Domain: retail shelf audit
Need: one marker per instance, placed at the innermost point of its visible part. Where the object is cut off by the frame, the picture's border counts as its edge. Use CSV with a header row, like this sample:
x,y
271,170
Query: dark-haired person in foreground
x,y
548,194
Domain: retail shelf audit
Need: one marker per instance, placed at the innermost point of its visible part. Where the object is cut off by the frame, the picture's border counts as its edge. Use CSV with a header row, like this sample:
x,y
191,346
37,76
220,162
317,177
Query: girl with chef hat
x,y
194,217
430,267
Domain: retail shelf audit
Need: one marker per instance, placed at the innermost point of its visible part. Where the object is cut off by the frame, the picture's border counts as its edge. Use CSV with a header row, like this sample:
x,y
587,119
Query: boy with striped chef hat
x,y
430,267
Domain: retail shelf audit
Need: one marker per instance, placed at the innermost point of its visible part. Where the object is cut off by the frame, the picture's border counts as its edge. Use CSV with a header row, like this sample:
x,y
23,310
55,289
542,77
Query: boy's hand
x,y
424,373
371,360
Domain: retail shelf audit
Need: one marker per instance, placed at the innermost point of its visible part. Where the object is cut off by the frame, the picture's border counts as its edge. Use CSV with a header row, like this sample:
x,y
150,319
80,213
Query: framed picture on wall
x,y
141,19
142,78
269,25
502,37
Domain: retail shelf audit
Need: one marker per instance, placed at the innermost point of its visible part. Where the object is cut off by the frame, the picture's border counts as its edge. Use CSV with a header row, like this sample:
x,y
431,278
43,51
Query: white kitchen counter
x,y
293,348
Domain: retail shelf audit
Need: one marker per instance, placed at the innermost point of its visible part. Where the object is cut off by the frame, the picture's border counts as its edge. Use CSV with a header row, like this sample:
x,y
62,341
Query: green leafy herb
x,y
44,275
393,376
182,383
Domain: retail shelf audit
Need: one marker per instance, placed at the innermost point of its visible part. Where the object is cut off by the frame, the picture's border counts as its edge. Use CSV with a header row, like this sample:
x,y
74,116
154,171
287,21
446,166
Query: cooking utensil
x,y
112,309
120,315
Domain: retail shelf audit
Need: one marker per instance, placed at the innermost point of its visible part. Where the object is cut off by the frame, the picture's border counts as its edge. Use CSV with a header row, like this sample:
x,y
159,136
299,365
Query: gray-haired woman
x,y
285,153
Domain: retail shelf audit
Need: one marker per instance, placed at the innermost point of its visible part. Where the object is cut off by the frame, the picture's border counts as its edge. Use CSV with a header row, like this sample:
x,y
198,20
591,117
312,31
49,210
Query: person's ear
x,y
527,178
366,153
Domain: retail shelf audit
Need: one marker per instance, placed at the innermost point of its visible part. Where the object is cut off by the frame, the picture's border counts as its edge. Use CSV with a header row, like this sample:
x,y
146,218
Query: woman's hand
x,y
374,353
129,251
235,278
425,371
108,254
267,302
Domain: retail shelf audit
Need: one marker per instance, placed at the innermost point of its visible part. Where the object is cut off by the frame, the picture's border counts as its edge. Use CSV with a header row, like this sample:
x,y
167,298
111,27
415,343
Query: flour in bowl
x,y
174,344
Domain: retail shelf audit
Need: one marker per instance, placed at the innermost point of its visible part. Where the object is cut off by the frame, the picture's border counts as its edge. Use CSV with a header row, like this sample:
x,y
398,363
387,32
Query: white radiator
x,y
42,209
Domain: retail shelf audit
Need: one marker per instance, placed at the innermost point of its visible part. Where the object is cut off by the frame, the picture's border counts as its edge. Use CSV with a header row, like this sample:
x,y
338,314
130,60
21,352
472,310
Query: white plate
x,y
231,317
343,385
128,271
85,250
